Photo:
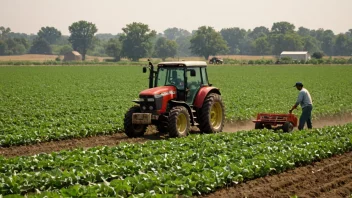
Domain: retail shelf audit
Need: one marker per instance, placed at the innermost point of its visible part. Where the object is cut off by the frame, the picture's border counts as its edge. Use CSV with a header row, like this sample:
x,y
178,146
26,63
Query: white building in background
x,y
296,55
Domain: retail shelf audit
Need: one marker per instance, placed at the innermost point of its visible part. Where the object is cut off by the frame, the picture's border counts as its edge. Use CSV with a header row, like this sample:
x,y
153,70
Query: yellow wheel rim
x,y
216,115
181,123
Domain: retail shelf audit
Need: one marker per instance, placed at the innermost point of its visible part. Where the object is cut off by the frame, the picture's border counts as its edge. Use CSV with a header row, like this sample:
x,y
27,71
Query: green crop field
x,y
192,165
51,103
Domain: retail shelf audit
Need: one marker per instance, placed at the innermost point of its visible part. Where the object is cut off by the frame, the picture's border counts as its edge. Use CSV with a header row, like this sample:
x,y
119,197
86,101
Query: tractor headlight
x,y
158,96
150,99
151,108
141,99
144,107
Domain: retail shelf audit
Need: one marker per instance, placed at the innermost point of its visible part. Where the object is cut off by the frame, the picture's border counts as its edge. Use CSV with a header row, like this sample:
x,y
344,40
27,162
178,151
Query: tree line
x,y
137,41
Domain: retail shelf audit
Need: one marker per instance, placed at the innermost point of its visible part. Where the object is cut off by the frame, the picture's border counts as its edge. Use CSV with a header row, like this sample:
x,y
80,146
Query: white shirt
x,y
304,98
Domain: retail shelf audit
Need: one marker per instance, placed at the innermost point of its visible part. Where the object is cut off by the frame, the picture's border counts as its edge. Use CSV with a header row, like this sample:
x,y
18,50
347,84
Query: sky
x,y
110,16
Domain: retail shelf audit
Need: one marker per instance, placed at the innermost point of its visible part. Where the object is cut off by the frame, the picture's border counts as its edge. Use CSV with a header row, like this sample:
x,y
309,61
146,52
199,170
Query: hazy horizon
x,y
110,16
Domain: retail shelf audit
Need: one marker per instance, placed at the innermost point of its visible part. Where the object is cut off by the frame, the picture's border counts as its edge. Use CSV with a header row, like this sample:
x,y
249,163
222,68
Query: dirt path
x,y
329,178
111,140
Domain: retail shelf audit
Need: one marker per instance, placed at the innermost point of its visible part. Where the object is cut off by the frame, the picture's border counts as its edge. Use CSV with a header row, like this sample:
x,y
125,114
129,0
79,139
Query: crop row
x,y
39,104
196,164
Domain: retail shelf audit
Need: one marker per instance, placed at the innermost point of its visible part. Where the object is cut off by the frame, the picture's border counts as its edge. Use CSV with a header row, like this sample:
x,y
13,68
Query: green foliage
x,y
233,37
165,48
136,40
193,165
175,33
206,42
282,28
114,49
40,104
261,46
81,38
65,49
50,34
40,46
318,55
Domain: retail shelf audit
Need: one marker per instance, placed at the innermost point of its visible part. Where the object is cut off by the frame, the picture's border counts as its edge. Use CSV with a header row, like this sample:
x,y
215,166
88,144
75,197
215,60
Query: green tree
x,y
165,48
174,33
184,44
302,31
206,41
136,40
16,46
114,49
341,45
258,32
233,37
4,32
311,44
40,46
65,49
3,48
81,38
286,42
50,34
282,28
328,42
261,46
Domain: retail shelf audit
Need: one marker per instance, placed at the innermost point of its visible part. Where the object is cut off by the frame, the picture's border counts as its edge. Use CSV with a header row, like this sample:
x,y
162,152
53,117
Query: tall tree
x,y
233,37
302,31
206,41
282,28
311,44
286,42
40,46
81,38
341,45
136,40
114,49
261,46
4,32
184,44
165,48
258,32
50,34
328,42
174,33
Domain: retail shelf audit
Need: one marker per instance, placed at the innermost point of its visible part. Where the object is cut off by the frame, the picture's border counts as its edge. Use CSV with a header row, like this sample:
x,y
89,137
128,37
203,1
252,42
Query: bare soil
x,y
329,178
115,139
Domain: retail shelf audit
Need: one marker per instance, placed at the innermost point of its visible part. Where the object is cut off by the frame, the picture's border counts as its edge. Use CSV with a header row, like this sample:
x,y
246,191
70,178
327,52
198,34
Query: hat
x,y
298,84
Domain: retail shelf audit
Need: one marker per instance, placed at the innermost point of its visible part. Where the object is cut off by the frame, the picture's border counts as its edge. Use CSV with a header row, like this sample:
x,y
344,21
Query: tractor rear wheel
x,y
212,114
287,127
179,122
133,130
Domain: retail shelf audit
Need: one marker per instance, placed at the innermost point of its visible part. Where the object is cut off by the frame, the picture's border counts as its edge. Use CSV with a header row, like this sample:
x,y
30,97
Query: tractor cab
x,y
186,77
179,96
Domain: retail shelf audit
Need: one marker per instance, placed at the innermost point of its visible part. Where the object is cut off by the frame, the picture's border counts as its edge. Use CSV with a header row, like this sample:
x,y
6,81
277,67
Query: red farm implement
x,y
286,122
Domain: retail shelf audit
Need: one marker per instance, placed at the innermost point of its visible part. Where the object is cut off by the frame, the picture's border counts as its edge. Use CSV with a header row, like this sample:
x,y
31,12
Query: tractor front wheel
x,y
133,130
212,114
179,122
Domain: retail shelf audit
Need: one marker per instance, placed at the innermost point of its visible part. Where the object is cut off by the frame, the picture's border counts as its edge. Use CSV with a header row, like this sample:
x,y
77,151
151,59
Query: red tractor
x,y
179,96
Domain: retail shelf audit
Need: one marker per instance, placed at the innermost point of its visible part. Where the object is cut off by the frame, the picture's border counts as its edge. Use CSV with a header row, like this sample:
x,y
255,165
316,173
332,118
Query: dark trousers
x,y
306,116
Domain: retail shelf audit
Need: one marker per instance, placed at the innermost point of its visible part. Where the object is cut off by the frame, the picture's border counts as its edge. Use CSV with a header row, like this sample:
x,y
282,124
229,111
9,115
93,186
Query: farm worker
x,y
305,100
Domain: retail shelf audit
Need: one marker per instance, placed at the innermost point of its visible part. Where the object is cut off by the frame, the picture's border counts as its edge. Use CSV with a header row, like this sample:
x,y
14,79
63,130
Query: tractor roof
x,y
183,64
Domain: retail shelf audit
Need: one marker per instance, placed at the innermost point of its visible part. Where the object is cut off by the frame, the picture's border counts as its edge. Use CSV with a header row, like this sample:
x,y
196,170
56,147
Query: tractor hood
x,y
159,91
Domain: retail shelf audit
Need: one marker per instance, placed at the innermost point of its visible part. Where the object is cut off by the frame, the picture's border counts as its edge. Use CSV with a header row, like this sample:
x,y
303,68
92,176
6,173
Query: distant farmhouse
x,y
72,56
296,55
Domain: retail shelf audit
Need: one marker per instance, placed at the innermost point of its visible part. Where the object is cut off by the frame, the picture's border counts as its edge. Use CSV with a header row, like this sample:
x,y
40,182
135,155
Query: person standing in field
x,y
305,100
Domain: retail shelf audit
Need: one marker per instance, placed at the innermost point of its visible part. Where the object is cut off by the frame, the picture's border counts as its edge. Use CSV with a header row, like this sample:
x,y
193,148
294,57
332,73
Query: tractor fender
x,y
202,94
180,103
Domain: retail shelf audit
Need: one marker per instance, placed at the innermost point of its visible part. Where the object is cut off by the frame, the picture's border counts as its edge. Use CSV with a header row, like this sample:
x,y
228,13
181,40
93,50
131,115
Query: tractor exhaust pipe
x,y
151,74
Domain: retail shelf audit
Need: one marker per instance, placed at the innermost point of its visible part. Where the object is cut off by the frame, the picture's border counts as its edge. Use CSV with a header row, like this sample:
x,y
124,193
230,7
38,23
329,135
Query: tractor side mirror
x,y
193,72
144,70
